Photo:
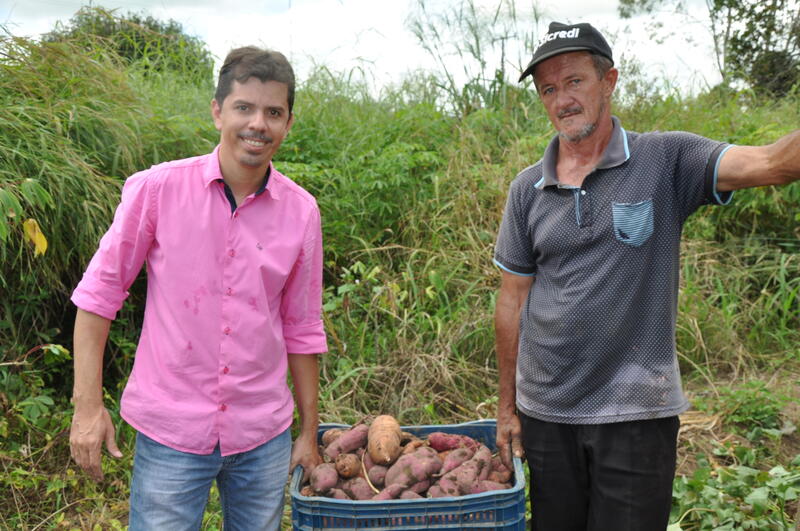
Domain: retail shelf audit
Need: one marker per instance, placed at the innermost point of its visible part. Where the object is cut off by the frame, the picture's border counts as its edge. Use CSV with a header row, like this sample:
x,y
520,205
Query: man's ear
x,y
216,114
610,81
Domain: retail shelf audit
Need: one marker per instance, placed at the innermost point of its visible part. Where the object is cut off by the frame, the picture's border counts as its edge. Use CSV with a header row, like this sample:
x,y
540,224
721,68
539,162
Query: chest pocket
x,y
633,222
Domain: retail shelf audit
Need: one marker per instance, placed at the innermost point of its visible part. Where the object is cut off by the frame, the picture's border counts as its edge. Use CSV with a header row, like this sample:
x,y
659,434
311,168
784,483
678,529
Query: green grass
x,y
411,196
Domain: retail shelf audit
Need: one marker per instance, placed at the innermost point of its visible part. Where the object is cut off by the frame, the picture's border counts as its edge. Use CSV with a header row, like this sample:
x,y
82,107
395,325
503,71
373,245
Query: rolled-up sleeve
x,y
121,253
301,304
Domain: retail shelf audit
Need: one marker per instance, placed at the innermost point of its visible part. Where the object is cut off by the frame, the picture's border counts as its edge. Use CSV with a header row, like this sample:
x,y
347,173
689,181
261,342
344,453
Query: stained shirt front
x,y
229,294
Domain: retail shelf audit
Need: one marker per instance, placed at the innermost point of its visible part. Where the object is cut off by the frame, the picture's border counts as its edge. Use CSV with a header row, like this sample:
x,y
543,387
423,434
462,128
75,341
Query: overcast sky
x,y
373,35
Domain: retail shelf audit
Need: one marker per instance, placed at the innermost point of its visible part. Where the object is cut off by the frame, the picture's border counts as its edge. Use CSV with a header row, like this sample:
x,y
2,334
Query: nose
x,y
258,122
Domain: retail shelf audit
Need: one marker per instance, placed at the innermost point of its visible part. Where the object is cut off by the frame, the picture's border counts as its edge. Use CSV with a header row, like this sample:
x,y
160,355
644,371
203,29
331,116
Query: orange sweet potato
x,y
348,465
383,442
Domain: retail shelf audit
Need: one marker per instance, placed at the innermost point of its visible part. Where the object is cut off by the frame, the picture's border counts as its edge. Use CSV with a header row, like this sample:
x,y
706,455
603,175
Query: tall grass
x,y
411,195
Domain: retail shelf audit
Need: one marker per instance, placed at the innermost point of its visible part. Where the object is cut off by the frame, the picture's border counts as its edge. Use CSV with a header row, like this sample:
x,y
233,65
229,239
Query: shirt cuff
x,y
305,338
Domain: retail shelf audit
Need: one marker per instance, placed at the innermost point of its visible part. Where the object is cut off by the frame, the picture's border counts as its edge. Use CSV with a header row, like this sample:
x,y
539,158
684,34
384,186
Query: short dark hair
x,y
243,63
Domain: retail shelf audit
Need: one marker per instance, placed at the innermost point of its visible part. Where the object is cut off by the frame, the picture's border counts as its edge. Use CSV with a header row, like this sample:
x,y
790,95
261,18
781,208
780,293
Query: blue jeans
x,y
169,489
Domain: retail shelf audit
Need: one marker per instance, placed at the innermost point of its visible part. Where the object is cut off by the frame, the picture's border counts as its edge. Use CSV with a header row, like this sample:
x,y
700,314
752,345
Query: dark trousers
x,y
601,477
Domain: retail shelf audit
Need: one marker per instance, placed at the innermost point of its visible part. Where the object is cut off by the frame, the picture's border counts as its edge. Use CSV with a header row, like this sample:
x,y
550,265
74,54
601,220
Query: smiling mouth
x,y
256,142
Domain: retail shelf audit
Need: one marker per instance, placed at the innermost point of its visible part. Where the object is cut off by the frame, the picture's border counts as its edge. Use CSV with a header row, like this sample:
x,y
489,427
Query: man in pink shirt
x,y
234,287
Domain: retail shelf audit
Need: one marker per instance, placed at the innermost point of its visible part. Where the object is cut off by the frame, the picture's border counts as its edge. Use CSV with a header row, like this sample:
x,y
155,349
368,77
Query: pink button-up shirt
x,y
228,295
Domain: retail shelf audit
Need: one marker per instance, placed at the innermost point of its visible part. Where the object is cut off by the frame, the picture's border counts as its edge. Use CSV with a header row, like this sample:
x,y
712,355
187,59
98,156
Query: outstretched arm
x,y
513,292
750,166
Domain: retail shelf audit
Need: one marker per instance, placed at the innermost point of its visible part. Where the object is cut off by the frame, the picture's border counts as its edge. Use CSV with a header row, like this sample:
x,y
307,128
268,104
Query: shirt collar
x,y
616,153
213,174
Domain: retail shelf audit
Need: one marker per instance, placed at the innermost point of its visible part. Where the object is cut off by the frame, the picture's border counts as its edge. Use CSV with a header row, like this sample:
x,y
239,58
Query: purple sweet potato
x,y
499,472
409,495
413,468
440,441
324,477
466,475
455,458
420,487
349,441
390,492
447,485
358,489
377,475
487,485
338,494
483,457
436,492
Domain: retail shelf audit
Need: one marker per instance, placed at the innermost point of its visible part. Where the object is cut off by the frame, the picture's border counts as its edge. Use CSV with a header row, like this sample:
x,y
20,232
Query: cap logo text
x,y
571,34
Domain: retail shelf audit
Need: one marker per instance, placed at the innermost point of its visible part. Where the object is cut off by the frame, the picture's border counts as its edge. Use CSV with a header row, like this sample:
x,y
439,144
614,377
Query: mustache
x,y
256,136
571,110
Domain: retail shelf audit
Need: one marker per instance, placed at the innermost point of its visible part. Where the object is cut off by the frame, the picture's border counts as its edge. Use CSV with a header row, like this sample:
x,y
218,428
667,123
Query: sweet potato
x,y
413,468
483,457
409,495
412,446
455,458
440,441
436,492
348,465
330,435
421,486
406,437
338,494
466,475
348,441
390,492
357,488
307,491
499,472
384,440
377,475
324,477
486,486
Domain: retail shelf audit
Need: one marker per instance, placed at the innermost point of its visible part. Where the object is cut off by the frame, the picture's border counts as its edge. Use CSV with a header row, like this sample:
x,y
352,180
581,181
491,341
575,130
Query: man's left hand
x,y
305,453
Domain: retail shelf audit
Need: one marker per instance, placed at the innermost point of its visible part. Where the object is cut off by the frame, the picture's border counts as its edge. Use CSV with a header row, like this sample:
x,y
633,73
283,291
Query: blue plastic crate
x,y
500,509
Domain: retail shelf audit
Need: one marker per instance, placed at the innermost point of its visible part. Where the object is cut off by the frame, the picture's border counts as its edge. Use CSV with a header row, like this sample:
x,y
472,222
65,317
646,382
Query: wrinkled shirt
x,y
228,295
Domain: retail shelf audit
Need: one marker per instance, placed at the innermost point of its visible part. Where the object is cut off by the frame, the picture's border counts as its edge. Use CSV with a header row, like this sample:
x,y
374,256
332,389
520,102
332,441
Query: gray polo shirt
x,y
597,331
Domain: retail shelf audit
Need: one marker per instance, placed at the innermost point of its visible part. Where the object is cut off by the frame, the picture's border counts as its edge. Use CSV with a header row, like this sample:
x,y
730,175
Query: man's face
x,y
253,121
575,99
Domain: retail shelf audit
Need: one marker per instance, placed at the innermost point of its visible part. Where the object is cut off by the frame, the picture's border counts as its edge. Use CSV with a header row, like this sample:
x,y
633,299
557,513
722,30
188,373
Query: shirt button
x,y
583,192
225,370
227,330
236,214
223,407
229,291
231,253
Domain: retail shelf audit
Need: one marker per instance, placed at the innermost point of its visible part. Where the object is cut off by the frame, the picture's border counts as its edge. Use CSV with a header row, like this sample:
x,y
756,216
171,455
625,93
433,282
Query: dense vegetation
x,y
411,194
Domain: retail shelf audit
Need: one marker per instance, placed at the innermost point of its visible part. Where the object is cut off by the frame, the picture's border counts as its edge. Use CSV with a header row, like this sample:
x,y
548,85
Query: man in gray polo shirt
x,y
585,318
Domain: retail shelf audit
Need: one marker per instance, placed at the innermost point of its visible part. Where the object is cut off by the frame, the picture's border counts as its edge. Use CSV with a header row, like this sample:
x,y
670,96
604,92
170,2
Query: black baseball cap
x,y
562,38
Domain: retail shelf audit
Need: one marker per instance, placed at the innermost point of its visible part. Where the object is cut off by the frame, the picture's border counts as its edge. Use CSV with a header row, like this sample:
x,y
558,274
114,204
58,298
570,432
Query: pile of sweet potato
x,y
378,461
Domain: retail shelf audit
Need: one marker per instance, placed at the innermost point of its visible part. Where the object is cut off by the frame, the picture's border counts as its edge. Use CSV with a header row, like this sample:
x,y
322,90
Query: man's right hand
x,y
509,438
86,437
